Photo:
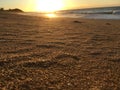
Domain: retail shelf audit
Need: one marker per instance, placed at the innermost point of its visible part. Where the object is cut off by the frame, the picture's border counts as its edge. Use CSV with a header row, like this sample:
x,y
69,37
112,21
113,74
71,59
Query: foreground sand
x,y
59,54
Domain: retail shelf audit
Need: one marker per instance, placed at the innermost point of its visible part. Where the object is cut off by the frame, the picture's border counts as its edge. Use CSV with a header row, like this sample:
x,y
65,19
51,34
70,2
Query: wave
x,y
108,10
116,12
90,12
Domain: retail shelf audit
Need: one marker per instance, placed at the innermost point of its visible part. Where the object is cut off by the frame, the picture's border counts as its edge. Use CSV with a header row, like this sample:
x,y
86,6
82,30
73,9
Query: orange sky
x,y
33,5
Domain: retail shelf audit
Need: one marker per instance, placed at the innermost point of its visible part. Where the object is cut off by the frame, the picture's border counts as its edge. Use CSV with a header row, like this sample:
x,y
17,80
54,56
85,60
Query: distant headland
x,y
10,10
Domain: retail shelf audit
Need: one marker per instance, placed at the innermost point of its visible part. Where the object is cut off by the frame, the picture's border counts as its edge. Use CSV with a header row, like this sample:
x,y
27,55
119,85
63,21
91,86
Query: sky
x,y
30,5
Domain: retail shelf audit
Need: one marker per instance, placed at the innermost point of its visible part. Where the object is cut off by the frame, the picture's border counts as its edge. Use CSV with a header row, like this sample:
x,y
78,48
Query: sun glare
x,y
49,5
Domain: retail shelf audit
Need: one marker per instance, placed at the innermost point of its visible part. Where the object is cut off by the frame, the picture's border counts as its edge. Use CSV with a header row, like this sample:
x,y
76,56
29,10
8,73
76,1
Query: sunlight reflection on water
x,y
51,15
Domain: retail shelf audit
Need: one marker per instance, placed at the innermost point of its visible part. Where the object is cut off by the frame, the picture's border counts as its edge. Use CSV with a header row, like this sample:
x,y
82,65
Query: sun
x,y
49,5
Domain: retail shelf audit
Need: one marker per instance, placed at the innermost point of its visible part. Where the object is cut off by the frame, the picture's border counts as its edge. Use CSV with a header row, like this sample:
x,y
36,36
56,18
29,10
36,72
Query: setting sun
x,y
49,5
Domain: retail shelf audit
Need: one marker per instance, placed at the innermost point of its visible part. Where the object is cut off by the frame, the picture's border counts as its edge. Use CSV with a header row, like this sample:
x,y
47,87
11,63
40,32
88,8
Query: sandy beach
x,y
40,53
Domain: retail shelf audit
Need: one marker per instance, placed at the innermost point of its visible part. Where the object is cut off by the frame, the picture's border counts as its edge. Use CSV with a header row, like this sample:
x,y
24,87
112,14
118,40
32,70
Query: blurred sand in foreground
x,y
59,53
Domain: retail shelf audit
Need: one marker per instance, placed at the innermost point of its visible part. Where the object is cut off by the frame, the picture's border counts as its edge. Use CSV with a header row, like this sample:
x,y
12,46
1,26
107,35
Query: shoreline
x,y
79,16
39,53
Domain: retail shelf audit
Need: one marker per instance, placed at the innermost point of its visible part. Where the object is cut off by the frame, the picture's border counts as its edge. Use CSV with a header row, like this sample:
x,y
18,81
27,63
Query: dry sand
x,y
59,53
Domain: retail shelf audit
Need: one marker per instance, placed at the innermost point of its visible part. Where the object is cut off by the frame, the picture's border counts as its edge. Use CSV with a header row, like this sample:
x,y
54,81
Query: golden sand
x,y
59,53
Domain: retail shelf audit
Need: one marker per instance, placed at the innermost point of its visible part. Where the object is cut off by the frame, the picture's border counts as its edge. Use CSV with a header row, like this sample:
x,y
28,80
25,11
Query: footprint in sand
x,y
66,60
59,43
67,56
62,60
18,60
40,64
115,60
48,46
19,51
3,63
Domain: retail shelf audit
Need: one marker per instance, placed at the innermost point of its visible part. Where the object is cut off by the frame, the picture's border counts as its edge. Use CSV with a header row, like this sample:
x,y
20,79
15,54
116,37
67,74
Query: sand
x,y
40,53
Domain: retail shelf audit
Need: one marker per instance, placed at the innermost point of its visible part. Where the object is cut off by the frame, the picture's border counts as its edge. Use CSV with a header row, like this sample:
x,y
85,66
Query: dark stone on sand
x,y
108,24
77,22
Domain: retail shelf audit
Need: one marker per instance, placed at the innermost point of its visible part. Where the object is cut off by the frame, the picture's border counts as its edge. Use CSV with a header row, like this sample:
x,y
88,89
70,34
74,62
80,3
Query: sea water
x,y
90,13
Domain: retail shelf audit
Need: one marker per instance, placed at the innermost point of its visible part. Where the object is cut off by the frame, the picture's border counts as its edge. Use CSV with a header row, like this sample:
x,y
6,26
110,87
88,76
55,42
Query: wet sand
x,y
59,53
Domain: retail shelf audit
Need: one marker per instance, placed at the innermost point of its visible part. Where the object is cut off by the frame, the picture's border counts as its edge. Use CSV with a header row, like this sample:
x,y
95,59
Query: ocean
x,y
89,13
